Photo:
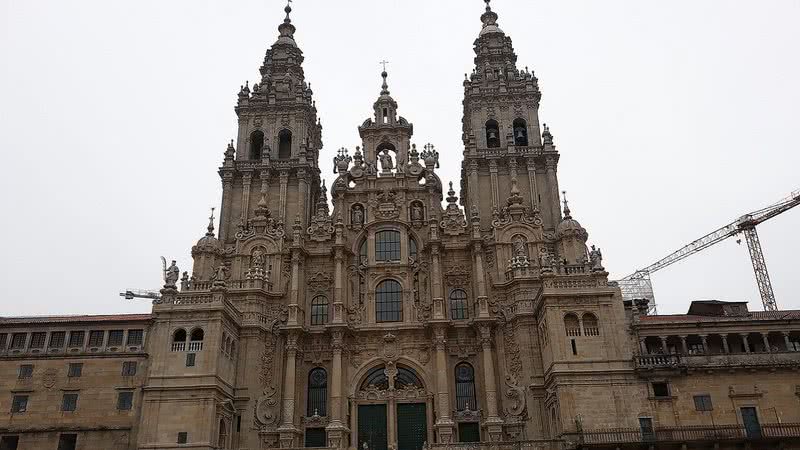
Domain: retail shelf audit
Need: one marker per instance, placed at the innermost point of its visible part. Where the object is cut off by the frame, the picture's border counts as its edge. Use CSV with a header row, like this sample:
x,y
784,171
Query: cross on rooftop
x,y
384,63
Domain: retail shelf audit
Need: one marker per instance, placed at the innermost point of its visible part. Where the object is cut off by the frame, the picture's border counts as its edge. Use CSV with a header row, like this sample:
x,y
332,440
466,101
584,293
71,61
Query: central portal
x,y
412,426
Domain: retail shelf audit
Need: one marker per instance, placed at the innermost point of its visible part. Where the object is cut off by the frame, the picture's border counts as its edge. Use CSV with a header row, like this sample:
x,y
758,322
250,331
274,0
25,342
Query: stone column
x,y
765,338
444,424
284,180
480,282
746,344
532,181
552,182
664,348
472,174
787,342
225,209
684,348
643,346
436,283
246,179
704,340
336,429
725,346
288,431
303,200
493,178
494,424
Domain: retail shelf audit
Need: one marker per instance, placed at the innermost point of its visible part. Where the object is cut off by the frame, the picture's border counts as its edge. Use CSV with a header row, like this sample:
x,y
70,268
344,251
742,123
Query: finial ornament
x,y
288,9
384,63
566,206
211,223
384,86
488,6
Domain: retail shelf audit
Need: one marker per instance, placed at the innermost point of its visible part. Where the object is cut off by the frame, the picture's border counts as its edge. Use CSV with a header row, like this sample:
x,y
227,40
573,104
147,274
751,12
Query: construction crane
x,y
638,285
131,294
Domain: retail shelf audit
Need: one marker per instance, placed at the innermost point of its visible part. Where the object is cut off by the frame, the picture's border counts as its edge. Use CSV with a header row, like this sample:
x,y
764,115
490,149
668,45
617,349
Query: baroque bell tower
x,y
506,151
273,171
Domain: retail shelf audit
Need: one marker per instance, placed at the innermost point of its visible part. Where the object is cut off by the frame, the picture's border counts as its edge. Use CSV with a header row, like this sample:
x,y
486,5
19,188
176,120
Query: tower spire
x,y
489,17
384,86
567,214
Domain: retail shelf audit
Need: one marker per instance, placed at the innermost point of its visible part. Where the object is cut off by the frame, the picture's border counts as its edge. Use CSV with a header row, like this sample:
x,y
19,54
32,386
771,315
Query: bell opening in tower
x,y
284,144
256,144
492,134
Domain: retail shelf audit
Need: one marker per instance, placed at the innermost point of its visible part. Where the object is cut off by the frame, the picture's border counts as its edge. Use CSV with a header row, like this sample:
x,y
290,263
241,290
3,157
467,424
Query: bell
x,y
520,133
492,134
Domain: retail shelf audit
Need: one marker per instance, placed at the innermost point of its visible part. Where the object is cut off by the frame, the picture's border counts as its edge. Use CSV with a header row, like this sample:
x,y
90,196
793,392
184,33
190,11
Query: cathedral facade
x,y
367,315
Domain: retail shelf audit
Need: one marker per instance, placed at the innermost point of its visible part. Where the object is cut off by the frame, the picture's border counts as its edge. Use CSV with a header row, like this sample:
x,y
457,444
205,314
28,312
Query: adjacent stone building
x,y
390,321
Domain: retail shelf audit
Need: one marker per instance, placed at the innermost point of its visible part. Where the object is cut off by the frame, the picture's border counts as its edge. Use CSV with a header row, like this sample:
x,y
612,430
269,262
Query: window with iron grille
x,y
3,340
135,337
458,305
465,388
128,368
389,302
125,400
18,340
387,245
191,359
57,339
75,370
319,310
317,392
25,371
183,437
76,338
38,339
703,403
19,403
96,338
115,338
69,402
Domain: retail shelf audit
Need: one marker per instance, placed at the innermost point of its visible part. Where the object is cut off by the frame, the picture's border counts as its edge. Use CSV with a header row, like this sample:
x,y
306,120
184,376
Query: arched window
x,y
465,388
319,310
458,304
520,132
284,144
389,302
387,245
492,134
179,335
405,377
197,334
590,326
572,325
256,144
317,392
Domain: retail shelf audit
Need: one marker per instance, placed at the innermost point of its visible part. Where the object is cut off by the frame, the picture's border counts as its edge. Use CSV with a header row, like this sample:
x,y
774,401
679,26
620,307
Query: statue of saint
x,y
257,259
386,161
416,212
358,216
596,258
520,246
171,274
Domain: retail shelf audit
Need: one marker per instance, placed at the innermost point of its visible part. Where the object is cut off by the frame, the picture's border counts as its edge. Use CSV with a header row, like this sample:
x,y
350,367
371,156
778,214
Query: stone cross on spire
x,y
384,63
566,206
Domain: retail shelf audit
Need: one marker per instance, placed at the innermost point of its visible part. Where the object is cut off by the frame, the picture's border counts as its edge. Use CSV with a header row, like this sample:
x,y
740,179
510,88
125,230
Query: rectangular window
x,y
75,370
76,338
574,347
660,390
703,403
125,400
18,340
9,442
183,437
135,337
67,441
190,359
3,341
387,245
25,371
38,339
115,338
96,338
469,432
57,339
315,437
19,403
646,428
128,368
69,402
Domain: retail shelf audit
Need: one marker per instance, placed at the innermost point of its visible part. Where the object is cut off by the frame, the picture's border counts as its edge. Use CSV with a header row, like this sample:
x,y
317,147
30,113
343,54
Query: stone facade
x,y
390,321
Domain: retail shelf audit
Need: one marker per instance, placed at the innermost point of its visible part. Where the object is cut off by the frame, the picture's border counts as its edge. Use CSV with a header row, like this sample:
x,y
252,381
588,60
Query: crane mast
x,y
638,285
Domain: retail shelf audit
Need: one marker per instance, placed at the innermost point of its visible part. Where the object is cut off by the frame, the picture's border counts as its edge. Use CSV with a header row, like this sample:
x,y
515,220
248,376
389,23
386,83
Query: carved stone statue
x,y
171,274
417,213
596,258
386,161
257,259
371,169
358,216
185,281
520,246
546,261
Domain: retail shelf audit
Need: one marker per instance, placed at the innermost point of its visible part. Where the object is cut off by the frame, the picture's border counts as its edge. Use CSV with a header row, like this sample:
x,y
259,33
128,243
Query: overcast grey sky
x,y
672,119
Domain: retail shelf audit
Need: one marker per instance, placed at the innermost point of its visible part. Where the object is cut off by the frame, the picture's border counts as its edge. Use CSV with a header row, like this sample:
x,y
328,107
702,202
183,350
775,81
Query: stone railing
x,y
542,444
684,434
657,361
195,346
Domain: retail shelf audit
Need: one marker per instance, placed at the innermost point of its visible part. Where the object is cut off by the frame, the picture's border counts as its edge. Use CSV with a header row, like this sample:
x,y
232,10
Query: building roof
x,y
792,314
74,319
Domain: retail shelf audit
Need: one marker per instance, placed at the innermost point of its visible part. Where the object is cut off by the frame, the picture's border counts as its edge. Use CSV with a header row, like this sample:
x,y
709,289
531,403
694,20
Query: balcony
x,y
542,444
718,360
775,432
